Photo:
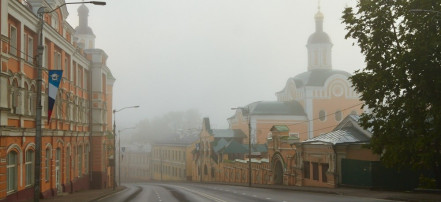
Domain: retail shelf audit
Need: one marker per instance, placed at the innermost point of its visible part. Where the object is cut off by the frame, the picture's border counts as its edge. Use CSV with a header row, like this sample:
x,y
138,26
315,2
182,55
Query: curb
x,y
107,194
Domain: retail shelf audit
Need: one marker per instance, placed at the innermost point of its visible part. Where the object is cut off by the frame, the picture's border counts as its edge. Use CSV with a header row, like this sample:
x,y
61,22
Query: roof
x,y
340,137
234,147
319,37
263,148
293,108
316,77
347,131
280,128
220,145
227,133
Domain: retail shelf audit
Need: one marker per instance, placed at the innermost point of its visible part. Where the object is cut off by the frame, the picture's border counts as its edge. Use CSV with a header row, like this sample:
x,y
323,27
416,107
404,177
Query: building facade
x,y
171,159
76,141
135,163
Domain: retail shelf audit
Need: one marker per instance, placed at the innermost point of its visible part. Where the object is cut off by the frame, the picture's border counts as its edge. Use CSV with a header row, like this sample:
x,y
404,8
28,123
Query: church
x,y
311,103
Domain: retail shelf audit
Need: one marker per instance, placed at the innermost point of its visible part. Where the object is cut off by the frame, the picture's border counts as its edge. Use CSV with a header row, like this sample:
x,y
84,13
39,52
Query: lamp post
x,y
247,110
119,153
40,49
114,141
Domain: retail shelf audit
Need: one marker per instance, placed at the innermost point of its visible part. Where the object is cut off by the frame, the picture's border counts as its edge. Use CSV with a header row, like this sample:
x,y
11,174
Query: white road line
x,y
202,194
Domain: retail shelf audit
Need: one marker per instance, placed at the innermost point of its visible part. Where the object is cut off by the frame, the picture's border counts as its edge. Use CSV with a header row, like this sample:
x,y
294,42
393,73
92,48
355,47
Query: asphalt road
x,y
193,192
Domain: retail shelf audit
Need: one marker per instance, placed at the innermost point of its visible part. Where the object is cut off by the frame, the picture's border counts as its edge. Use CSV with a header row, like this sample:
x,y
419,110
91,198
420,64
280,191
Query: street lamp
x,y
114,141
247,110
119,153
40,12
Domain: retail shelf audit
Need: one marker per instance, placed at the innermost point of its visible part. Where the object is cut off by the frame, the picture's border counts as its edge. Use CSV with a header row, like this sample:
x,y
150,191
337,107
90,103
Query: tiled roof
x,y
346,135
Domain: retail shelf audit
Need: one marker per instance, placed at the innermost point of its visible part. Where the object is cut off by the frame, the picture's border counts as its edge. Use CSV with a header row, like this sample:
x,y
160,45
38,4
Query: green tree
x,y
401,83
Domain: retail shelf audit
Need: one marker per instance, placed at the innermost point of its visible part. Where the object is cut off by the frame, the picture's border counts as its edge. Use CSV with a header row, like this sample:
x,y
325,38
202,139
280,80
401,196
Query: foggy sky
x,y
210,55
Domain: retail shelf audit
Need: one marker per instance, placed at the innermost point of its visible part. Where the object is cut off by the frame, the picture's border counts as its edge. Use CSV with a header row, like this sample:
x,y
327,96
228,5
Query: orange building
x,y
76,143
311,103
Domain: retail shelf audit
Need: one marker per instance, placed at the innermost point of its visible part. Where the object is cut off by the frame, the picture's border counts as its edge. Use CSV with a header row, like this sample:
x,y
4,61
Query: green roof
x,y
234,147
227,133
280,128
292,108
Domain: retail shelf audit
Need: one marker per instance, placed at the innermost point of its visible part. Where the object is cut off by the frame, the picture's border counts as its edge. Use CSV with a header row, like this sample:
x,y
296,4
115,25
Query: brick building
x,y
76,143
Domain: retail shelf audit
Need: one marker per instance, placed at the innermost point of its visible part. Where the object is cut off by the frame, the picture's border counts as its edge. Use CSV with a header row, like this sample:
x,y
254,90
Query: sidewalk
x,y
363,192
84,196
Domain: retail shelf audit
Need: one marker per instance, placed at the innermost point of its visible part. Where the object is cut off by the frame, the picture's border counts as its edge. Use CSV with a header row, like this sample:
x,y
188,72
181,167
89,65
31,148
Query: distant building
x,y
135,163
76,143
310,104
171,159
320,161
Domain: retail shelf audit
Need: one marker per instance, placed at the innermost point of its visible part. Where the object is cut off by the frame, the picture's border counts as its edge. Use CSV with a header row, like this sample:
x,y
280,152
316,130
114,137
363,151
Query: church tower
x,y
83,32
319,46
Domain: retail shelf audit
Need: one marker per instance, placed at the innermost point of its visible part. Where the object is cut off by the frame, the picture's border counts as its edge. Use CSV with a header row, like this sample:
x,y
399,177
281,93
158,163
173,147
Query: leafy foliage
x,y
401,83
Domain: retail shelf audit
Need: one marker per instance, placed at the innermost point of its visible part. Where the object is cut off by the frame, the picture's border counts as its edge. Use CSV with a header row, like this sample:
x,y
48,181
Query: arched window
x,y
338,115
86,159
30,165
55,21
12,171
67,164
205,170
322,115
47,164
80,160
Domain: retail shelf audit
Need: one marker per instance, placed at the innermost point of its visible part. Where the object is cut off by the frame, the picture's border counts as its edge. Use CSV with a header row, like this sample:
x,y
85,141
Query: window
x,y
338,115
325,168
11,171
45,56
86,160
57,60
354,113
315,171
68,165
322,115
30,164
47,164
30,49
205,170
80,160
13,41
55,21
212,172
306,170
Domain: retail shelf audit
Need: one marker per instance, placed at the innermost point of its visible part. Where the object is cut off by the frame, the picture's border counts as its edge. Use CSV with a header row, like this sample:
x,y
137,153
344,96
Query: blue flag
x,y
54,83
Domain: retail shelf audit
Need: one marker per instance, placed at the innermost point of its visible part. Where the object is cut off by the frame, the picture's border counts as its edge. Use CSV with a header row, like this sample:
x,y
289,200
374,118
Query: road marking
x,y
268,198
202,194
254,196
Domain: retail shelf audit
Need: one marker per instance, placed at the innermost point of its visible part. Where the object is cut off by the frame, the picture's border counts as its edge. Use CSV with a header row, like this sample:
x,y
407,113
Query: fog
x,y
208,55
